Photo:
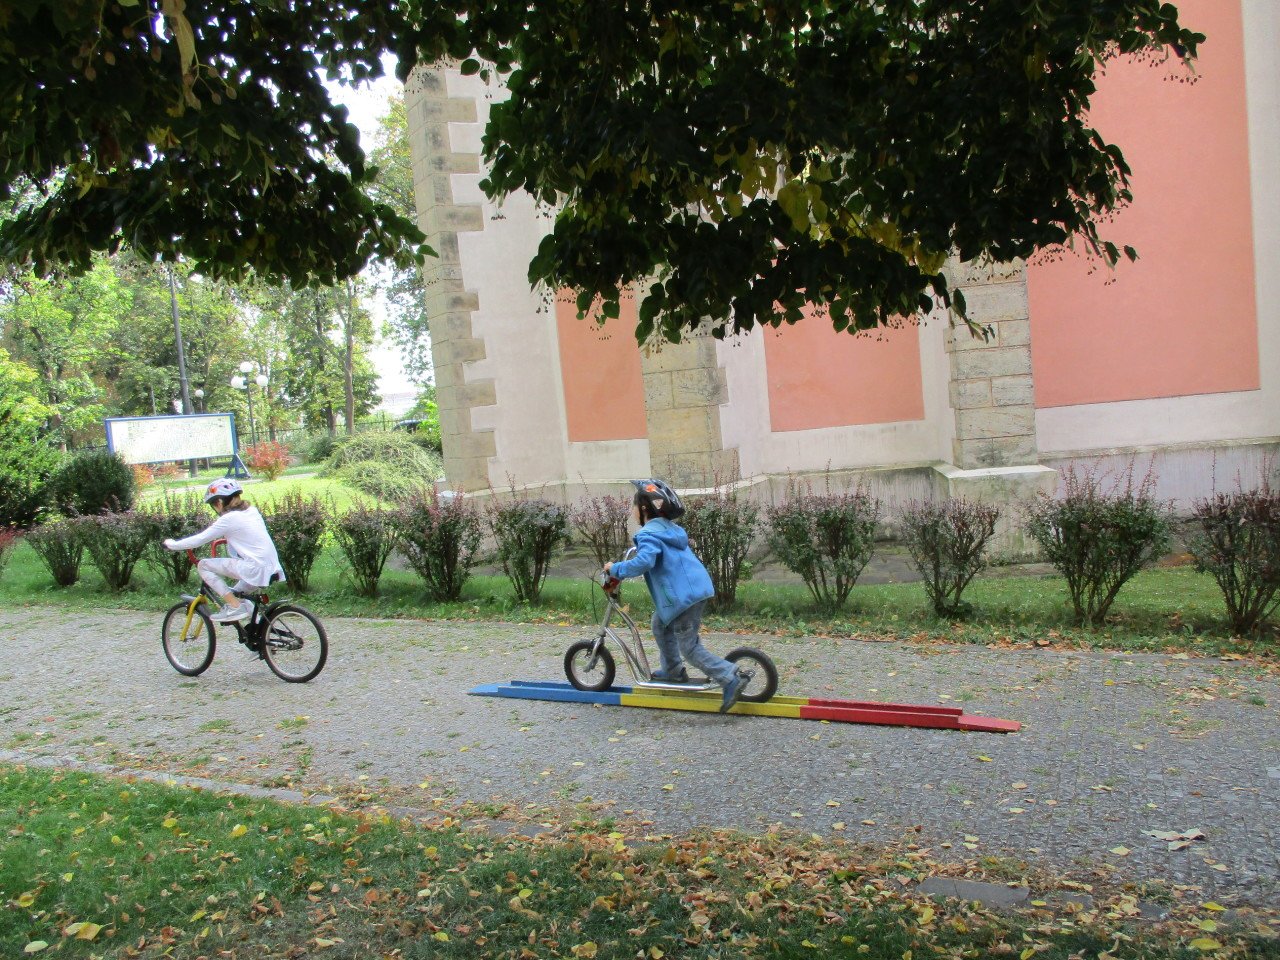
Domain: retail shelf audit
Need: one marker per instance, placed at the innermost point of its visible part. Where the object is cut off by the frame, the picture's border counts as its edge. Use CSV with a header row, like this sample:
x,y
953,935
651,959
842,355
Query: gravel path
x,y
1112,745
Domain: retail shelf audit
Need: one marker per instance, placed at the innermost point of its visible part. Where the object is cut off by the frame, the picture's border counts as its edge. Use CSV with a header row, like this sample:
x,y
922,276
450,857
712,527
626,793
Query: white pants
x,y
211,567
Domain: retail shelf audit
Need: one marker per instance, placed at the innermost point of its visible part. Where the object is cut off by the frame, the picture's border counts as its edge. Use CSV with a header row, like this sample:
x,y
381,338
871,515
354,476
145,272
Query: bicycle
x,y
287,636
590,666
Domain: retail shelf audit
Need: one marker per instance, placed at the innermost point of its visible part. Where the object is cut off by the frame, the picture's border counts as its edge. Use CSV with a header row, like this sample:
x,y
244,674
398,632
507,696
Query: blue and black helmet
x,y
662,500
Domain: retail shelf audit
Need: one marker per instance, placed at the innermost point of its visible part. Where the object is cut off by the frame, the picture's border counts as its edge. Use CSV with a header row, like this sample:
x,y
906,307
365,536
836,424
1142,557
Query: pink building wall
x,y
600,370
1182,320
820,378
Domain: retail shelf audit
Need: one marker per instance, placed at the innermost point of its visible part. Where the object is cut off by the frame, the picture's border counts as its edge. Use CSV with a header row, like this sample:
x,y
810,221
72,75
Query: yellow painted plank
x,y
710,703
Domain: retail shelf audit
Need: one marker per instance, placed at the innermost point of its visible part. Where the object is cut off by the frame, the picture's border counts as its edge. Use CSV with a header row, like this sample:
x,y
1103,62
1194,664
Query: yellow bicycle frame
x,y
198,599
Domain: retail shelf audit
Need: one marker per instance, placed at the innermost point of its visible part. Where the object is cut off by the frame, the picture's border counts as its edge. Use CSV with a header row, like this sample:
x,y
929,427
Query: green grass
x,y
1159,610
263,492
101,866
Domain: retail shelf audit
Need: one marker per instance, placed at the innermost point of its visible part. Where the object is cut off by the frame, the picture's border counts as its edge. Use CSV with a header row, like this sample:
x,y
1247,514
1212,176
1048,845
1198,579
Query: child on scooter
x,y
680,586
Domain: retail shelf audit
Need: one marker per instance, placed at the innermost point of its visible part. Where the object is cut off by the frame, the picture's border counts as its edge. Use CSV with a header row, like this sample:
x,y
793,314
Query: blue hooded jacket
x,y
675,577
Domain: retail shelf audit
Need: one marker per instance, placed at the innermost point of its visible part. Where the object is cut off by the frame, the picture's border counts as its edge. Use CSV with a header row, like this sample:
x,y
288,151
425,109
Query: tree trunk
x,y
348,358
331,419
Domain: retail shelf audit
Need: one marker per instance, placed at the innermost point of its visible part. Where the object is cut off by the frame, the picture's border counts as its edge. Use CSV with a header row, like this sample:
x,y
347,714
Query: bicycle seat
x,y
259,593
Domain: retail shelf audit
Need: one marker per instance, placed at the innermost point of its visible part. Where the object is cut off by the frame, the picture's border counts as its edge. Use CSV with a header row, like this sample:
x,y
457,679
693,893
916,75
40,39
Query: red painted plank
x,y
899,718
876,705
989,724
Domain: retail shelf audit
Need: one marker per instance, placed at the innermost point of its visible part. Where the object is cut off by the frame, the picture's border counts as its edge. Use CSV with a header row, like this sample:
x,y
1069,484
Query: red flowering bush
x,y
267,458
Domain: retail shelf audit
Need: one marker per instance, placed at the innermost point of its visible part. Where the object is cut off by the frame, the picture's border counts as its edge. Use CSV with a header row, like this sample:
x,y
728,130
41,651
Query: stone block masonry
x,y
684,387
991,392
449,306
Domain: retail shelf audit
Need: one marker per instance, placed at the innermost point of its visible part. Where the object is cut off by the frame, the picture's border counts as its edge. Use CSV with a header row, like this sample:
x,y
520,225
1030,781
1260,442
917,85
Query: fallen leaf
x,y
239,830
1205,943
35,946
1120,851
83,931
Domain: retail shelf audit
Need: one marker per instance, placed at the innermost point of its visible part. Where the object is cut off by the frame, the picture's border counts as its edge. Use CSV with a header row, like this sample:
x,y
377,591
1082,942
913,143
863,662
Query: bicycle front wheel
x,y
294,644
588,668
188,645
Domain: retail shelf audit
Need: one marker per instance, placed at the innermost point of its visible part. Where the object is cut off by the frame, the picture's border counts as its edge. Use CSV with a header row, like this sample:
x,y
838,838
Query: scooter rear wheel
x,y
764,675
587,671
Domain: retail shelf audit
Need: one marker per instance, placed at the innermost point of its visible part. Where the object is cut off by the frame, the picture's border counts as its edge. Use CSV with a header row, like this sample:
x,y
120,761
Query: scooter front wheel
x,y
764,675
588,668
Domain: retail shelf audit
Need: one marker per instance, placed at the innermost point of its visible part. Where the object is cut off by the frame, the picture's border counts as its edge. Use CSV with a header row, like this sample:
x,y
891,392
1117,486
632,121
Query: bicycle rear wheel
x,y
294,643
188,646
764,675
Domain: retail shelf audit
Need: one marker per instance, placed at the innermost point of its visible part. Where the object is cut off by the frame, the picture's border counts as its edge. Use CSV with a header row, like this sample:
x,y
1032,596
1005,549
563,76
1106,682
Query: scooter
x,y
590,665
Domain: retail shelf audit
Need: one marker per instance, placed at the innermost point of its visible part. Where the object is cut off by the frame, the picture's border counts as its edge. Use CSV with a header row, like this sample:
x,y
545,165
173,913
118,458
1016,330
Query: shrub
x,y
393,447
298,525
601,523
165,471
175,516
1237,541
946,541
387,465
440,537
93,482
382,480
1099,538
8,540
722,527
27,459
317,447
527,532
825,539
26,471
143,475
116,542
366,537
60,547
267,458
427,436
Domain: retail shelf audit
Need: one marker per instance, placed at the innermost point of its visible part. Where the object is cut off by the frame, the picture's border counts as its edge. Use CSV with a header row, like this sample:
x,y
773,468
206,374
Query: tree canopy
x,y
738,159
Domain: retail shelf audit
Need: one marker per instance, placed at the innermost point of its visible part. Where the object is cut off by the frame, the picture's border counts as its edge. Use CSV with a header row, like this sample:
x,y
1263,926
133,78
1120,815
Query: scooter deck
x,y
800,708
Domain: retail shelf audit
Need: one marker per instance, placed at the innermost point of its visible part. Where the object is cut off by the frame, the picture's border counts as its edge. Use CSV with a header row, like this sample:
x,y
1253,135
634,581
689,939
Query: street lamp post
x,y
198,396
245,383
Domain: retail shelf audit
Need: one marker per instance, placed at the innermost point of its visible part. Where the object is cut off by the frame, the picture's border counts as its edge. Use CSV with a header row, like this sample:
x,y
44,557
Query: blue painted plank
x,y
560,693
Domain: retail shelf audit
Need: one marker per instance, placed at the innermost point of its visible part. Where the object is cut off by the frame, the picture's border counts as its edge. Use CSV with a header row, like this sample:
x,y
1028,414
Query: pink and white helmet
x,y
225,487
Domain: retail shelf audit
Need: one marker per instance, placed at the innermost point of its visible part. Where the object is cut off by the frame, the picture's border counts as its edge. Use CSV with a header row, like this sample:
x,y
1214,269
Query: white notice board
x,y
158,439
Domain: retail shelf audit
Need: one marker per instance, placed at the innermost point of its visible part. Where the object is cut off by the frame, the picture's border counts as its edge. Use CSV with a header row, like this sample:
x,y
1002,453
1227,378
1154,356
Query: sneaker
x,y
233,614
666,676
732,692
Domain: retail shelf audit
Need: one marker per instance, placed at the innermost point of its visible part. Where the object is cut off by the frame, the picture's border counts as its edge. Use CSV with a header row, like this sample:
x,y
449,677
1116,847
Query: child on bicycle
x,y
251,558
680,586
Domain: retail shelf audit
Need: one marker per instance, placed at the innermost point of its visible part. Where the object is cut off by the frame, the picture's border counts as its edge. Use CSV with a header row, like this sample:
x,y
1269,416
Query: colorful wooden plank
x,y
799,708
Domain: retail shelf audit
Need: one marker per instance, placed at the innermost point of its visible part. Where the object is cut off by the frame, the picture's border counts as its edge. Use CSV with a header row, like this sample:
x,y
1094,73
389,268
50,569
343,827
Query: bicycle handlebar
x,y
213,550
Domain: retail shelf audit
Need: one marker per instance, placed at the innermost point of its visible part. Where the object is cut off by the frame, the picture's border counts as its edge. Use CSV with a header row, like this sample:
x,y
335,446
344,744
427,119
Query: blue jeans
x,y
678,640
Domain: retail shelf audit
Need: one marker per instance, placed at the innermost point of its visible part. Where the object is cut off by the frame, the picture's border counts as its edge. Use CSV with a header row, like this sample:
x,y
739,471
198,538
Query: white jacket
x,y
247,539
